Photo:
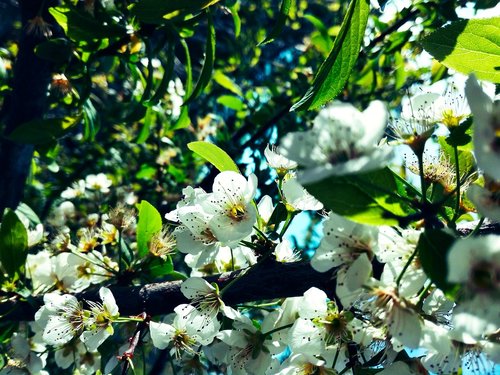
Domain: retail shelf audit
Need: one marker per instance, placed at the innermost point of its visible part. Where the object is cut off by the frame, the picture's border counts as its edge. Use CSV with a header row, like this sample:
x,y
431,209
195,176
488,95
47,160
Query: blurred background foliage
x,y
122,70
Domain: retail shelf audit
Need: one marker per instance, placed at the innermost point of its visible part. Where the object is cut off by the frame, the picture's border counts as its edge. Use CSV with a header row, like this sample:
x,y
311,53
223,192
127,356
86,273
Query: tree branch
x,y
28,101
270,280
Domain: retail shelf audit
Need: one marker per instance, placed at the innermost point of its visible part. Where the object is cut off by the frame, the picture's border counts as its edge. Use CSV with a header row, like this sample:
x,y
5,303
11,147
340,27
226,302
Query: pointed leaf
x,y
149,224
13,243
335,70
208,64
280,22
468,46
376,198
214,155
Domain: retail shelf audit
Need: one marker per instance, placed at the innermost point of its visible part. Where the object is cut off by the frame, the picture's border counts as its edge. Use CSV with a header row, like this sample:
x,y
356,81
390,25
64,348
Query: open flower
x,y
486,199
99,325
349,246
297,198
205,297
475,263
232,207
278,162
486,128
62,317
342,141
188,331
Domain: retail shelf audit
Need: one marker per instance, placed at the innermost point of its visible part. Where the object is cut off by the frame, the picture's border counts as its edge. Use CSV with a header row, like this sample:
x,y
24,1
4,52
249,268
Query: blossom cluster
x,y
385,297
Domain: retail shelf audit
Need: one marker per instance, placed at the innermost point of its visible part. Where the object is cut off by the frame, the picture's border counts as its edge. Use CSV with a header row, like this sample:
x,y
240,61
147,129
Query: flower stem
x,y
410,259
457,172
268,333
289,216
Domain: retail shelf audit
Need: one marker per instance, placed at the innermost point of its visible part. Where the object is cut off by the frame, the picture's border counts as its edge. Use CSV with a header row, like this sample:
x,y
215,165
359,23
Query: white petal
x,y
161,334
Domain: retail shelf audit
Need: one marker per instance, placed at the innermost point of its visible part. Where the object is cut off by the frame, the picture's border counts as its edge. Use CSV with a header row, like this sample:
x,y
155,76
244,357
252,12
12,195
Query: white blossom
x,y
99,326
486,128
342,141
62,317
297,198
277,161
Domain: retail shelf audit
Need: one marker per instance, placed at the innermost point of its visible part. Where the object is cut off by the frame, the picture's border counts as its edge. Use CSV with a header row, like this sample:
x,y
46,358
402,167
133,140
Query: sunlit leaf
x,y
468,46
214,155
280,21
377,197
149,224
158,11
335,70
80,25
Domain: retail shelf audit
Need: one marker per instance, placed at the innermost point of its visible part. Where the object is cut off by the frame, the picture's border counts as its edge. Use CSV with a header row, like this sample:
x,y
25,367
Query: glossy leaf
x,y
159,267
227,83
468,46
377,198
335,70
149,224
280,21
13,243
214,155
433,246
80,25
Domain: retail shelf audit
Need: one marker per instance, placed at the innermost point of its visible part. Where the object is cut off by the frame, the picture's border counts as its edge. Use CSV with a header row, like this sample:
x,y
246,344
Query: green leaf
x,y
208,63
236,18
214,155
90,120
433,247
149,224
227,83
466,160
13,243
377,198
168,68
231,101
80,25
468,46
39,132
183,121
57,50
159,267
158,11
280,22
335,70
459,135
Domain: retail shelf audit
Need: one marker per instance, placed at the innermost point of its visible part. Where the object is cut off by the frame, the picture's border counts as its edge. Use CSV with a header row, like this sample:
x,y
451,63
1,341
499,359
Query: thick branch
x,y
28,101
269,281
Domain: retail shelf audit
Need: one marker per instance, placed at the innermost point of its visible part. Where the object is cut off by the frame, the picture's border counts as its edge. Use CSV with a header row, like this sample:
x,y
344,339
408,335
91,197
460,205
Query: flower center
x,y
483,276
237,212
